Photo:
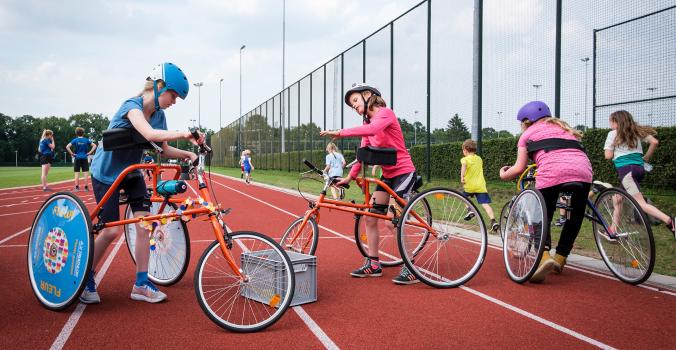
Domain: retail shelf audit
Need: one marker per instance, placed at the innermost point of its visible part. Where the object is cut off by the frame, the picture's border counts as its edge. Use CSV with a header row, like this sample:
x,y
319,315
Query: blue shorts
x,y
247,170
481,198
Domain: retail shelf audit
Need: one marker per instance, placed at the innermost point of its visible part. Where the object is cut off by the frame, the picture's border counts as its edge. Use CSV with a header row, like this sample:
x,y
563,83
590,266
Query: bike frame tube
x,y
157,169
354,208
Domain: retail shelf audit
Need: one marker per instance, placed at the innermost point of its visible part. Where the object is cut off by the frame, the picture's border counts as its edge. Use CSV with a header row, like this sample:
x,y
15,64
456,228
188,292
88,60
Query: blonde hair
x,y
469,145
556,121
148,87
331,147
46,133
628,131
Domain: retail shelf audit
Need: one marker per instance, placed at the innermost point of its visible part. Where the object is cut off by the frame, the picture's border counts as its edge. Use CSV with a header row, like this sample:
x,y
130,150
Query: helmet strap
x,y
157,96
366,108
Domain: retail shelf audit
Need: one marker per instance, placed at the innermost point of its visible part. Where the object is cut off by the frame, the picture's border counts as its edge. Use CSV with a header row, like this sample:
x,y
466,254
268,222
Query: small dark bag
x,y
377,156
120,138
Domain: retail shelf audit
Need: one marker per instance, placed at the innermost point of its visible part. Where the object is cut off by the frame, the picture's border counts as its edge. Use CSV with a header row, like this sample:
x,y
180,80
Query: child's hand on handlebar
x,y
345,181
197,142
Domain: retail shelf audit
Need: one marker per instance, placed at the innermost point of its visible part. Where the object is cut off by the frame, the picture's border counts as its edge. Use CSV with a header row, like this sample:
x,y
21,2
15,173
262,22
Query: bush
x,y
496,153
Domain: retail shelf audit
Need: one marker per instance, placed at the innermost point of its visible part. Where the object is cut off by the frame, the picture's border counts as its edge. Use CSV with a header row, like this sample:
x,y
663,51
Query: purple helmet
x,y
533,111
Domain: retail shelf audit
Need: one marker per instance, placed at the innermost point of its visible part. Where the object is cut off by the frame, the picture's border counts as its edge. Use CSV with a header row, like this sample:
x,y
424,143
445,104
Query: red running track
x,y
572,310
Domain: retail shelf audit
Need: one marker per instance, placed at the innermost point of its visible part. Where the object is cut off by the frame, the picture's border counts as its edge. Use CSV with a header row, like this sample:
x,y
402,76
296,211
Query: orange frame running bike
x,y
244,281
432,237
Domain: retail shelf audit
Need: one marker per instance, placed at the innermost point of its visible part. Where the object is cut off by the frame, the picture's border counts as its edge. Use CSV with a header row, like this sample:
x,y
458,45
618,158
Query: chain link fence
x,y
584,59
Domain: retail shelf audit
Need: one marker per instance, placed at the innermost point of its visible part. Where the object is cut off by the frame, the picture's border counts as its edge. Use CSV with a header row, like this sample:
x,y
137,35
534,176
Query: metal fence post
x,y
478,55
557,62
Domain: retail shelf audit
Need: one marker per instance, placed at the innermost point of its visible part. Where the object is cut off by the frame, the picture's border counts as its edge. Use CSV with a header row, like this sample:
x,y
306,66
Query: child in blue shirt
x,y
145,113
83,148
46,149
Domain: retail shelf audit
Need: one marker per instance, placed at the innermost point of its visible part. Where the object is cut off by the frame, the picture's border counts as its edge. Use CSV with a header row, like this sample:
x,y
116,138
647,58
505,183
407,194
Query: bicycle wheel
x,y
169,260
450,254
245,305
60,251
629,249
504,214
387,243
525,232
301,239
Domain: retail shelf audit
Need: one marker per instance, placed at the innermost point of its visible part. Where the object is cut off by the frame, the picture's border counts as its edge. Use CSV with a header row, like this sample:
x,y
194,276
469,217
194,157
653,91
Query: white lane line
x,y
14,246
67,329
510,307
539,319
37,187
314,327
21,212
645,285
309,322
14,235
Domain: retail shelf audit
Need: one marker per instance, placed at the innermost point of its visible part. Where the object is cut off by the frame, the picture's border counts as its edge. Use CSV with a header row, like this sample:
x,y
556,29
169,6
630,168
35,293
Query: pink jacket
x,y
383,131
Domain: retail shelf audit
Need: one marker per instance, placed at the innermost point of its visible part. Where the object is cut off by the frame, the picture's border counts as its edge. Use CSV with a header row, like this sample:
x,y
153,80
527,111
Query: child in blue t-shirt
x,y
335,162
83,148
46,149
247,165
145,113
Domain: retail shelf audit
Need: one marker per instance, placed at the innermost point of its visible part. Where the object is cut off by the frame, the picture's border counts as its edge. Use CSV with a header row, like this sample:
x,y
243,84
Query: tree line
x,y
19,137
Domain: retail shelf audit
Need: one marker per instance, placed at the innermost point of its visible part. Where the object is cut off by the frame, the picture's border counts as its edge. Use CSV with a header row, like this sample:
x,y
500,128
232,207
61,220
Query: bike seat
x,y
377,156
570,187
418,183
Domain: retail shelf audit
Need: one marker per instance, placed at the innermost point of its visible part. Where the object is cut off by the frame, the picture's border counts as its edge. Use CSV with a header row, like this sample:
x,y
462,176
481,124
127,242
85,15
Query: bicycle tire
x,y
439,260
169,261
60,251
634,241
504,214
270,284
300,244
522,251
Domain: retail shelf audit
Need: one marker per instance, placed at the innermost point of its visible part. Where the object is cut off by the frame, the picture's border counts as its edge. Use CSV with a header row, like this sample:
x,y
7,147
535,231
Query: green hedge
x,y
496,153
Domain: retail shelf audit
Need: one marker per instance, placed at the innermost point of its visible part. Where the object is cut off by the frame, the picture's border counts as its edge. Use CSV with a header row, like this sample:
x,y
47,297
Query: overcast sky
x,y
65,57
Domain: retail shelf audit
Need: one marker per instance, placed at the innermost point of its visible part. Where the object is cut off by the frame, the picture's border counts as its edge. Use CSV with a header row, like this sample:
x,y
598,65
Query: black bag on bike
x,y
120,138
377,156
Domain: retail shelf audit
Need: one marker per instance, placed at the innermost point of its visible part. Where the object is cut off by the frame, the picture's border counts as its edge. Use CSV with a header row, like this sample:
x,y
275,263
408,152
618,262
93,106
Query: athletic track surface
x,y
574,310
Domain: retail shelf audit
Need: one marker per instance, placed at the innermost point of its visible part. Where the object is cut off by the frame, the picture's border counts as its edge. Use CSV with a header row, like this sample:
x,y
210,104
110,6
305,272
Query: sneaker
x,y
86,189
77,189
560,221
147,292
560,262
241,176
370,269
469,216
89,294
47,189
546,266
405,277
494,226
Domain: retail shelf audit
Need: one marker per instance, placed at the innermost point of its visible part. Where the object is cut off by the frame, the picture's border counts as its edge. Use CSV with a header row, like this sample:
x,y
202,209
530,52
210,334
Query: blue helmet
x,y
174,79
533,111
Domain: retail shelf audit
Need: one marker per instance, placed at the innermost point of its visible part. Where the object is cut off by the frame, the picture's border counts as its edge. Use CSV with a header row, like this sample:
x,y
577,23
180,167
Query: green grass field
x,y
26,176
501,193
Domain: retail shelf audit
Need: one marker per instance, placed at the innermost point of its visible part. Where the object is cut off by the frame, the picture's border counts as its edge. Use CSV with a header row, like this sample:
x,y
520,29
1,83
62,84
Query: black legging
x,y
578,203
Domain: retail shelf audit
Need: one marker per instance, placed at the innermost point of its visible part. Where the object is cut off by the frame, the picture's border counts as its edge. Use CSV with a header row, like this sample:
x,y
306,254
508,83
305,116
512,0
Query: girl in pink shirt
x,y
562,162
380,129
